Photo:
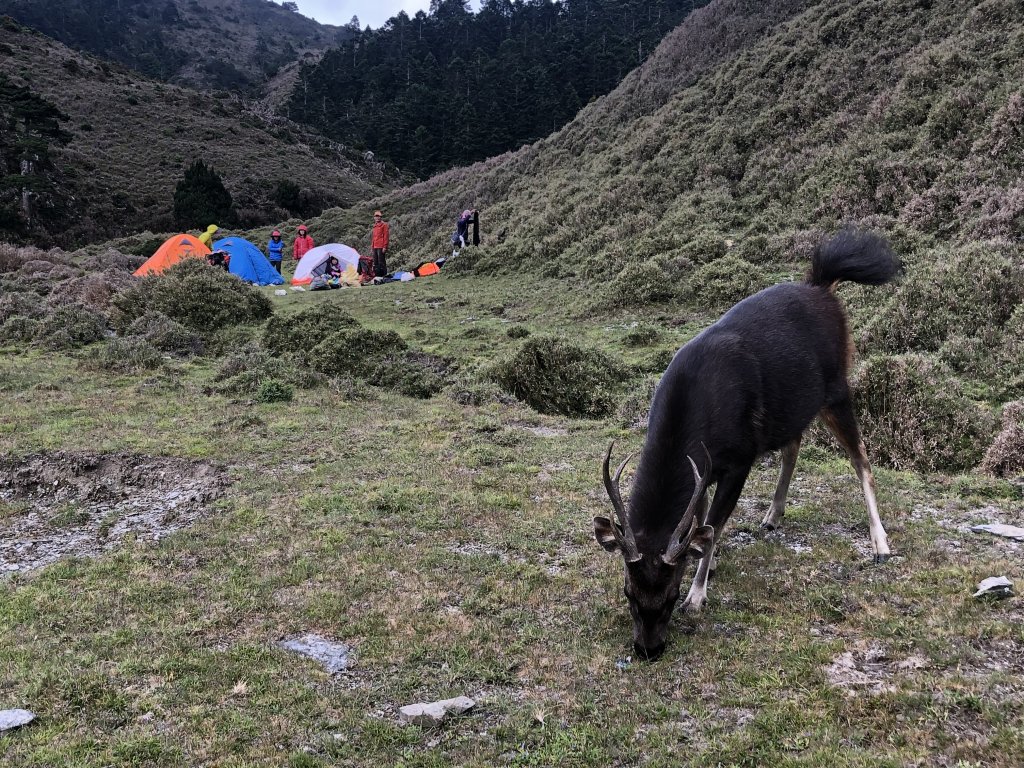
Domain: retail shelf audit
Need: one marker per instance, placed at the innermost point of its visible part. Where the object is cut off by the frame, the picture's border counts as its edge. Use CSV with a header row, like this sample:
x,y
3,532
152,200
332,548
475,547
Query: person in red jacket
x,y
379,244
303,242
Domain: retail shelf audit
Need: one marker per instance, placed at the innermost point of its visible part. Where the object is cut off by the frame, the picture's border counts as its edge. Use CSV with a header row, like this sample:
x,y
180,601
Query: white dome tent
x,y
314,263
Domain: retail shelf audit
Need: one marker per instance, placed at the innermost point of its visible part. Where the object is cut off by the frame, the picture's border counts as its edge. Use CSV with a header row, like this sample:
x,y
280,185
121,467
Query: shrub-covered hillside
x,y
234,44
130,140
752,130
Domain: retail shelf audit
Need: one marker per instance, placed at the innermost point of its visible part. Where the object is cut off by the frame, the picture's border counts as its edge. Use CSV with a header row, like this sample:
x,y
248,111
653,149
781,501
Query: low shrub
x,y
517,332
1005,457
249,367
126,355
167,335
274,391
657,361
556,376
915,415
413,374
230,340
19,329
353,351
635,407
638,285
470,390
725,281
71,327
196,295
94,290
19,303
642,335
305,329
965,292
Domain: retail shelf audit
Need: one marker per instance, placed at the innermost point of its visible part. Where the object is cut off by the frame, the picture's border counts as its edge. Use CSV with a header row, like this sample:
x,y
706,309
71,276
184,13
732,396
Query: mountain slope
x,y
754,130
765,120
234,44
132,138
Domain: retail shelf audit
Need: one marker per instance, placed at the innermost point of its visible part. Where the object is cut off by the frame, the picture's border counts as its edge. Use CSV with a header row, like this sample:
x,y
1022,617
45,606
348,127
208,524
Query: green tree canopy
x,y
200,198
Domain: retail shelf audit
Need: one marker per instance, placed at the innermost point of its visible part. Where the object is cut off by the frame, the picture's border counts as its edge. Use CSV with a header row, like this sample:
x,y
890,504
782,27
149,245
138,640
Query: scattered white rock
x,y
336,657
999,529
428,714
280,292
14,718
997,586
298,288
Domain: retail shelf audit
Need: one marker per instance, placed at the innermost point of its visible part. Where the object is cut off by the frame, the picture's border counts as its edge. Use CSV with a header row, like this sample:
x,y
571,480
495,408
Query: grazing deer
x,y
749,384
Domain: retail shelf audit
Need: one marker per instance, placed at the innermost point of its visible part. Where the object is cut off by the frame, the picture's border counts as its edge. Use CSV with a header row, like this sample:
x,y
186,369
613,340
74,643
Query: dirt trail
x,y
57,504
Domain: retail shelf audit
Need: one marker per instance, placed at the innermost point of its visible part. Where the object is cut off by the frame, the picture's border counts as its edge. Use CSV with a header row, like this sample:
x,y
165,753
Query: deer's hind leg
x,y
773,518
840,419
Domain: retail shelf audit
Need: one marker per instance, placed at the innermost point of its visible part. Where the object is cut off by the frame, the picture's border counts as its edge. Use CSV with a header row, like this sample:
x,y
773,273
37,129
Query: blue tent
x,y
248,261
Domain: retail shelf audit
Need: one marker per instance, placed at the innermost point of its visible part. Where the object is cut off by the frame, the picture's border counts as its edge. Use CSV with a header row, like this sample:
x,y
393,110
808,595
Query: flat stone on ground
x,y
435,712
14,718
336,657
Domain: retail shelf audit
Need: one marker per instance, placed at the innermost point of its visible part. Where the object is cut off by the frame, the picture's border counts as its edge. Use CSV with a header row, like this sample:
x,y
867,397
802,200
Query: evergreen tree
x,y
411,90
200,198
30,189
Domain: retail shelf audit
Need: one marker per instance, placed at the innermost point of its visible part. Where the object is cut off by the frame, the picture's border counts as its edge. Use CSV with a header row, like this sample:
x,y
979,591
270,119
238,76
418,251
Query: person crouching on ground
x,y
333,267
275,250
303,242
379,244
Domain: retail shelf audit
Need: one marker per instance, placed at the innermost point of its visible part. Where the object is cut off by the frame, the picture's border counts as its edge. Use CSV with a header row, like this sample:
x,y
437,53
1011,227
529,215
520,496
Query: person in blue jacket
x,y
275,250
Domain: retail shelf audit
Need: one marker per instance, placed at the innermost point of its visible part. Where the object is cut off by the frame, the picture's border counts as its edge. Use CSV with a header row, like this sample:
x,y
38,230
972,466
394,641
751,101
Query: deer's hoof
x,y
692,607
766,526
882,559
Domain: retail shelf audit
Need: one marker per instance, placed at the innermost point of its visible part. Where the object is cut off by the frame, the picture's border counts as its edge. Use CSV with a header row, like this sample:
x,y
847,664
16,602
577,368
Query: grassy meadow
x,y
393,483
449,541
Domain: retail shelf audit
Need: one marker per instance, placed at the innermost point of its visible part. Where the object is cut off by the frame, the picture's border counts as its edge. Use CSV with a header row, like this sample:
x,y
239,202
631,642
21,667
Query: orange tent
x,y
171,252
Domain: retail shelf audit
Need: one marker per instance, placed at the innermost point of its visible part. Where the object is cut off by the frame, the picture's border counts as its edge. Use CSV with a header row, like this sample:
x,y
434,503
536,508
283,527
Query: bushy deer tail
x,y
854,255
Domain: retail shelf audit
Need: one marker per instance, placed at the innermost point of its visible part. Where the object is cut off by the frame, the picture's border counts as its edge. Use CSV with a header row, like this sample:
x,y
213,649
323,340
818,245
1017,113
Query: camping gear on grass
x,y
248,262
426,268
314,263
174,249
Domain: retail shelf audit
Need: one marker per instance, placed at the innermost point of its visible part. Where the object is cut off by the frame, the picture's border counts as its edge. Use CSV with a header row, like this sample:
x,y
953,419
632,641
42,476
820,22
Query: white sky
x,y
371,13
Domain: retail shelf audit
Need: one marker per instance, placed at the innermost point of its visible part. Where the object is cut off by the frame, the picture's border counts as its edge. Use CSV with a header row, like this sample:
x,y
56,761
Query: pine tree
x,y
30,189
200,198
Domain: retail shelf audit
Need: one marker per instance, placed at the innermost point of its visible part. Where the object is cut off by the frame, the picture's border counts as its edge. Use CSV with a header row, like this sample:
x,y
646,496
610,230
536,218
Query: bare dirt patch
x,y
58,504
869,668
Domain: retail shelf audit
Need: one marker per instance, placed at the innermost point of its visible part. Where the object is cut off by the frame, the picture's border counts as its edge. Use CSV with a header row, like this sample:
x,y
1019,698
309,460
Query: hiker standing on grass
x,y
379,244
275,250
303,243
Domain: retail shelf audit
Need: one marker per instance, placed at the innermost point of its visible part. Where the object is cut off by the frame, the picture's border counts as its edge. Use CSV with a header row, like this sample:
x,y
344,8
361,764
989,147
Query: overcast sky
x,y
371,13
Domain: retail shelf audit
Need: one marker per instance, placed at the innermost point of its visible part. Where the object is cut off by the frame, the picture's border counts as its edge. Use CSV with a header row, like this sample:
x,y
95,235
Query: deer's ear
x,y
701,541
605,534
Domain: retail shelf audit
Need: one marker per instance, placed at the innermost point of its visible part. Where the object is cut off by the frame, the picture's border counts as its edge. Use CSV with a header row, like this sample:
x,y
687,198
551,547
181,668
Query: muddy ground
x,y
58,504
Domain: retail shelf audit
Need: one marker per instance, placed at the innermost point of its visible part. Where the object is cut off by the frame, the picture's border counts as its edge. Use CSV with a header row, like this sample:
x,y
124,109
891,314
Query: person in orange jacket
x,y
379,244
303,242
